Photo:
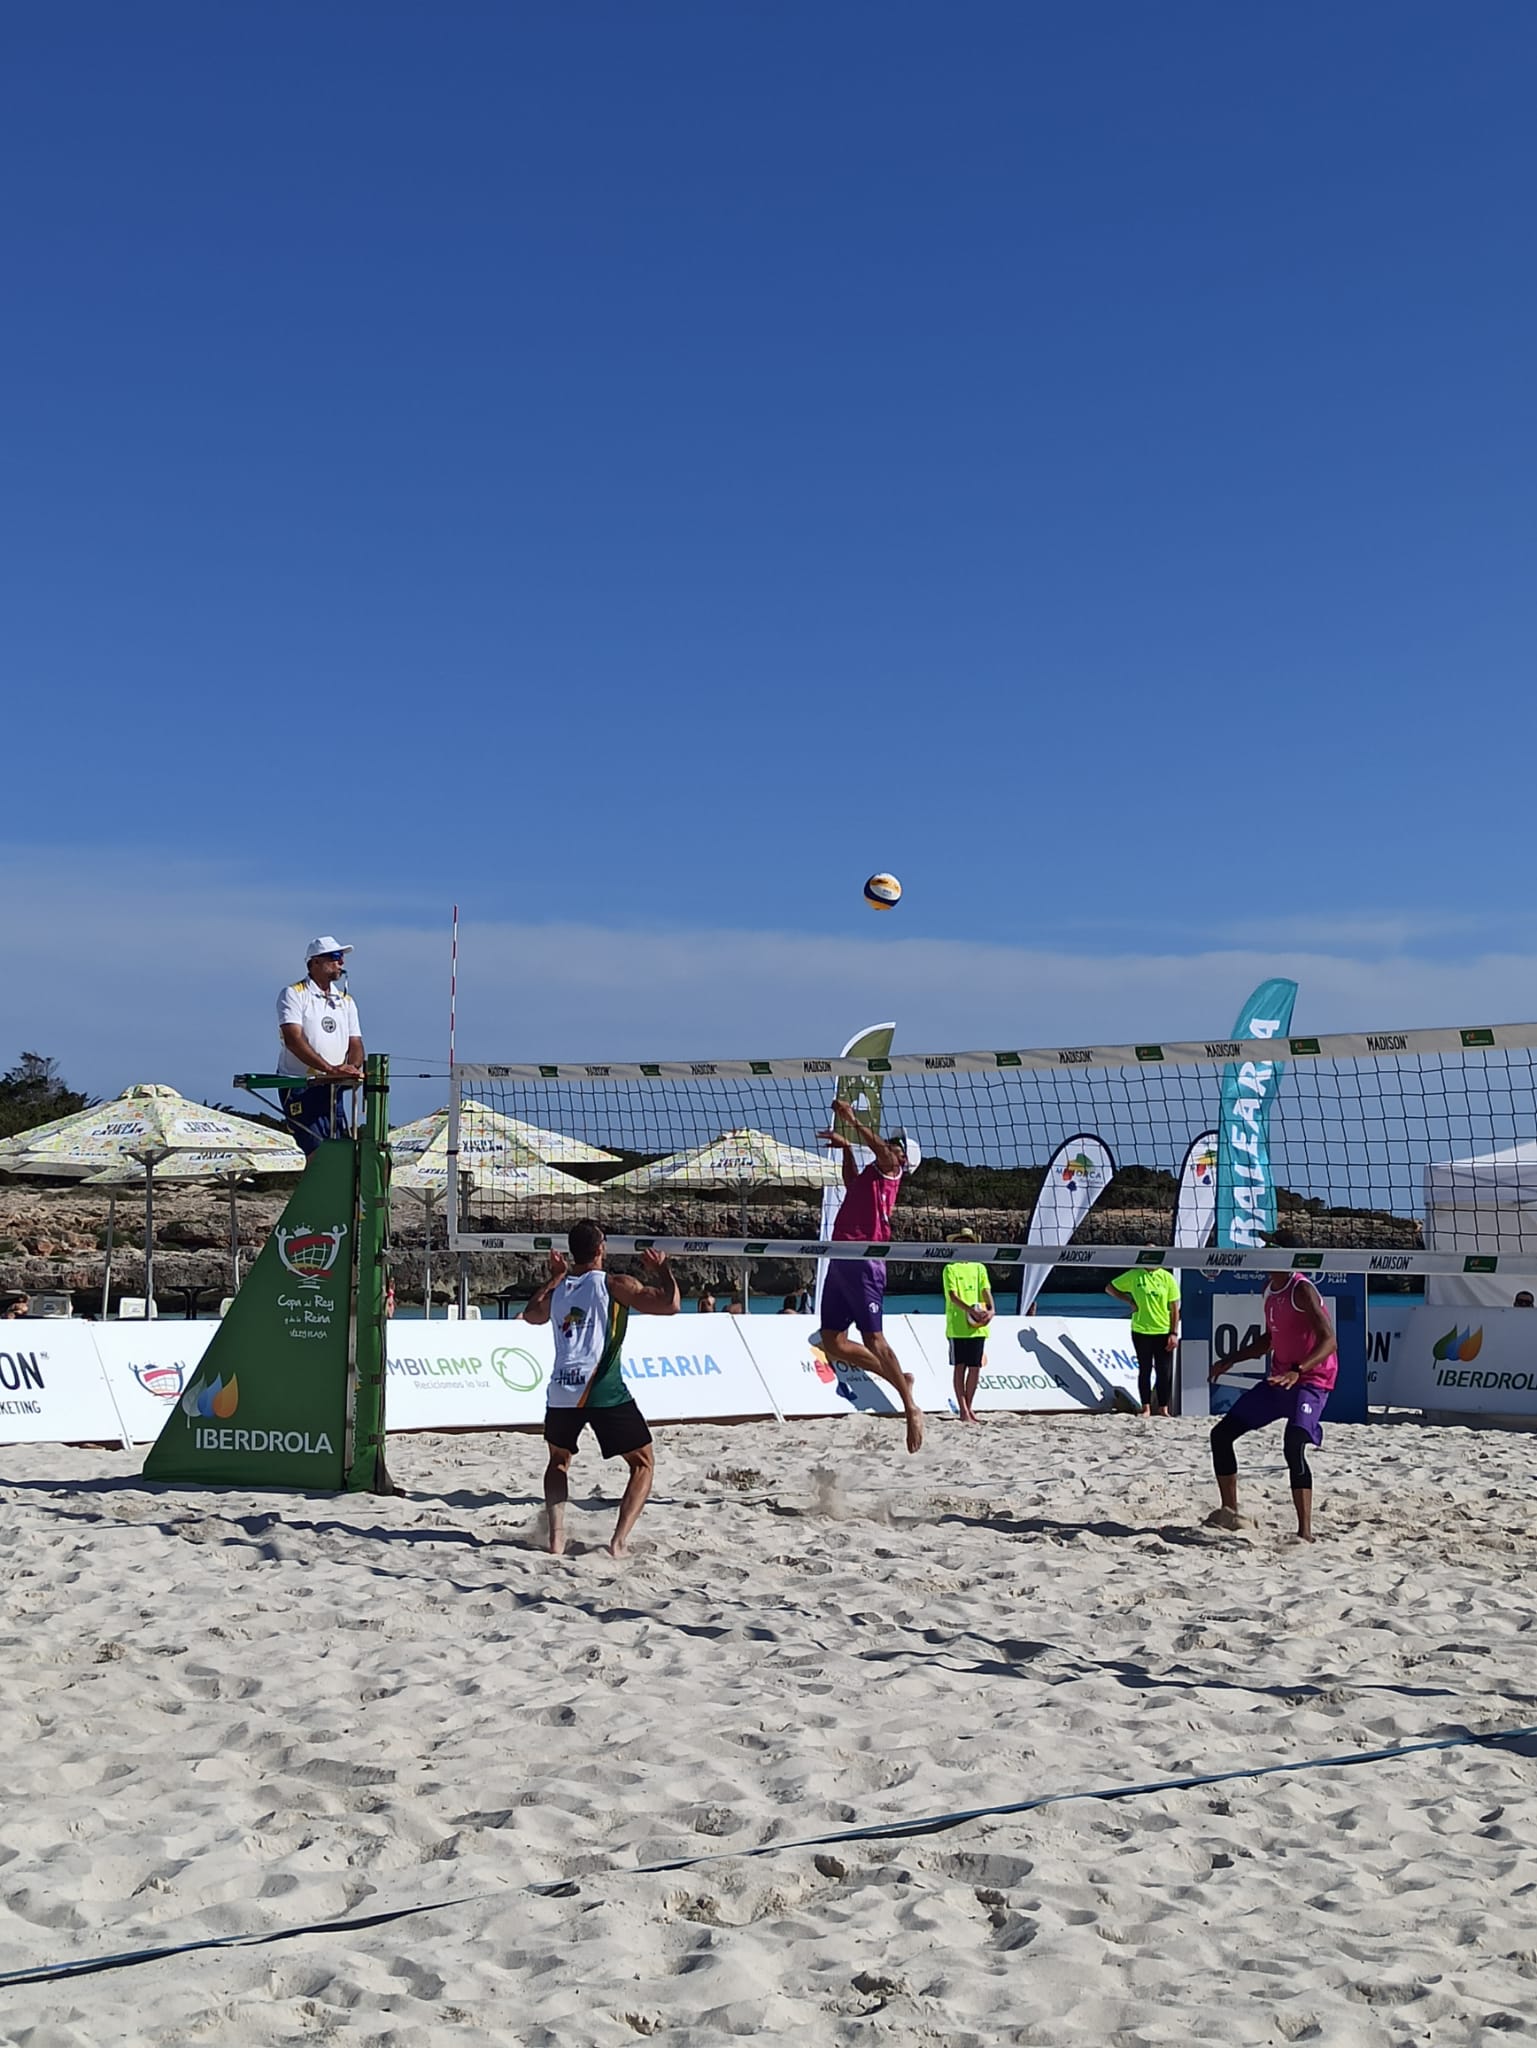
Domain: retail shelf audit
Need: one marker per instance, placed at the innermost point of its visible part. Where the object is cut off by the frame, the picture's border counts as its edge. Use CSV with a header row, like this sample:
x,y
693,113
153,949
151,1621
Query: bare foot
x,y
557,1535
914,1430
1305,1536
1227,1518
618,1549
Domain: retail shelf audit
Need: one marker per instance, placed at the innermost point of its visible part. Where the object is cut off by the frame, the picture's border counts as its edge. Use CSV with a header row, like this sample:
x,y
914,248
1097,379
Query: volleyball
x,y
883,892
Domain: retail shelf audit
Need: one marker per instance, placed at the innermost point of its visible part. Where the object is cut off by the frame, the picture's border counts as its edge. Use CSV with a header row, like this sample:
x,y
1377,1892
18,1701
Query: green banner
x,y
268,1405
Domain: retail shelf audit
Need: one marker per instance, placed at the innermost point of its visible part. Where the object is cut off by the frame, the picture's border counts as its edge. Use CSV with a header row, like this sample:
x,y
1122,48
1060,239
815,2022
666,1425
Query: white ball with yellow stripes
x,y
883,892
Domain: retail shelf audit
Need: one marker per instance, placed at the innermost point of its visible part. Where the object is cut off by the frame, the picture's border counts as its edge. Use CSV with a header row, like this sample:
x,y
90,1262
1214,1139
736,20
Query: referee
x,y
323,1040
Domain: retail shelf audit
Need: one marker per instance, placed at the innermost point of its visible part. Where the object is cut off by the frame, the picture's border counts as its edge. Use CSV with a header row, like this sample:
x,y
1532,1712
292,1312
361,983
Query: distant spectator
x,y
792,1305
736,1308
1523,1300
318,1024
389,1298
705,1305
17,1306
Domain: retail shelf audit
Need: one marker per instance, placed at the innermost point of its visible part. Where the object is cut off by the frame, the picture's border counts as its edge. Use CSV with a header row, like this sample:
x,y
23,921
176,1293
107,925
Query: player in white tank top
x,y
589,1309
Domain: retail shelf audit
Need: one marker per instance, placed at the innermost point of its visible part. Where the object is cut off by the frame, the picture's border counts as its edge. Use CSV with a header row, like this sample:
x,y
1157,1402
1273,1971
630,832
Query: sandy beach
x,y
246,1713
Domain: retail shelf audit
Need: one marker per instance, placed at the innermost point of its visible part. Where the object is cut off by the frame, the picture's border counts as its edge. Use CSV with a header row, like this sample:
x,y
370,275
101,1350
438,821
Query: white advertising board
x,y
1387,1323
465,1375
1467,1361
495,1375
52,1389
147,1367
1040,1364
802,1380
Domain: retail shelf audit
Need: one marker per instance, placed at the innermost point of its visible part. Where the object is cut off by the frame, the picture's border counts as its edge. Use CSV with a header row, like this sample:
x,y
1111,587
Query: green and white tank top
x,y
589,1334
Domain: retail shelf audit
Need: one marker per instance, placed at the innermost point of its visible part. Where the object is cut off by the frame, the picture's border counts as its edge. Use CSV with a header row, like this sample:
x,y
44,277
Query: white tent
x,y
1487,1205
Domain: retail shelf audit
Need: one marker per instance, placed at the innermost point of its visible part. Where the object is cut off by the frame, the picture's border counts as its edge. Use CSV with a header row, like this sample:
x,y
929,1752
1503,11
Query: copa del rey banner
x,y
1245,1188
1078,1175
1195,1206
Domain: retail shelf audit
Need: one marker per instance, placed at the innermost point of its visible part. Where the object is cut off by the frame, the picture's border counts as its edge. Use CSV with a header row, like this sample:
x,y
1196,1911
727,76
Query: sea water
x,y
896,1305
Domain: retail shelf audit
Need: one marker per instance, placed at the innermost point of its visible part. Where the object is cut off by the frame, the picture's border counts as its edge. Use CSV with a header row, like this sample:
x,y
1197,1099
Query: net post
x,y
366,1471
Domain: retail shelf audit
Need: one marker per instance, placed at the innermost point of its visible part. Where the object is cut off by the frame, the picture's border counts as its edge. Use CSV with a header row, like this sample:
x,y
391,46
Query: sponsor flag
x,y
1078,1175
1195,1206
1245,1189
271,1401
862,1092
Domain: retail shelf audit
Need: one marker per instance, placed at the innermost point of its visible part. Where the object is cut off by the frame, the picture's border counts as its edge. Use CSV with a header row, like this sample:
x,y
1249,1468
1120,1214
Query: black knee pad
x,y
1295,1446
1224,1459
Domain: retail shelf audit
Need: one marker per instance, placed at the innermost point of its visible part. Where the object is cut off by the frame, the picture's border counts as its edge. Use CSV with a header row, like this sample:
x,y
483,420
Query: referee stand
x,y
290,1393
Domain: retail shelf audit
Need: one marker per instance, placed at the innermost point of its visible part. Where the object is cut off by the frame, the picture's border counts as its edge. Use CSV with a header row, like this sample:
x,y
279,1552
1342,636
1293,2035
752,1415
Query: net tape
x,y
1206,1052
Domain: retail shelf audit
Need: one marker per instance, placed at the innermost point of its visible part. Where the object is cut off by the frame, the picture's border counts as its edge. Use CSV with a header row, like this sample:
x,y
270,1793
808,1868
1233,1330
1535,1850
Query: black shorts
x,y
967,1351
618,1429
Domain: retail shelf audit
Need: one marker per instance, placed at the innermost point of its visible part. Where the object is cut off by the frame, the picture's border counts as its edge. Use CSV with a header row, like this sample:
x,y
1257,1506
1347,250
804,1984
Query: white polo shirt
x,y
327,1020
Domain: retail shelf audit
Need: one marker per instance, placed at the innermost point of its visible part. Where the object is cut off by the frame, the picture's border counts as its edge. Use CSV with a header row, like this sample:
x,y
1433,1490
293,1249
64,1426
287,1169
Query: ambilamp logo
x,y
519,1371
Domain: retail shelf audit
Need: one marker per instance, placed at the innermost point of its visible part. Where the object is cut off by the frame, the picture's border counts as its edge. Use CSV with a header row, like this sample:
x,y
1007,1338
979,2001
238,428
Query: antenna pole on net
x,y
451,1218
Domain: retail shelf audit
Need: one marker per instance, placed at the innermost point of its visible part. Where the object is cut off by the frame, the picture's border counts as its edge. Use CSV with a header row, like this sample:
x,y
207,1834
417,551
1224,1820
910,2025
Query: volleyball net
x,y
1386,1152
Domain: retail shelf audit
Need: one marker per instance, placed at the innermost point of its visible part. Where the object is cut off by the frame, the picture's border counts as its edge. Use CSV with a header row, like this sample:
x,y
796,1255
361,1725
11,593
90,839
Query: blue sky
x,y
635,470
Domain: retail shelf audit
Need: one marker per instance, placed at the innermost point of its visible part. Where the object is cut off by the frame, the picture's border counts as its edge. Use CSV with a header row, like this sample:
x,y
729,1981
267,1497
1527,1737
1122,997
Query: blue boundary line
x,y
878,1831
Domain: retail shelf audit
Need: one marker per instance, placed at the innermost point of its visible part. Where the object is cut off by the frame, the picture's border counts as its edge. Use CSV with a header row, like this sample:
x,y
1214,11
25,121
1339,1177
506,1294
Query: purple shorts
x,y
1267,1403
853,1293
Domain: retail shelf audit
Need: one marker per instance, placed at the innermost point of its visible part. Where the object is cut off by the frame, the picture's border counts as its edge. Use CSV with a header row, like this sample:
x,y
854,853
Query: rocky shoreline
x,y
52,1242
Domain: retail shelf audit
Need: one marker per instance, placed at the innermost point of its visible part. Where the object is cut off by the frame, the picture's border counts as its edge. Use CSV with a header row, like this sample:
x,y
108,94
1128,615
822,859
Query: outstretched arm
x,y
660,1298
887,1158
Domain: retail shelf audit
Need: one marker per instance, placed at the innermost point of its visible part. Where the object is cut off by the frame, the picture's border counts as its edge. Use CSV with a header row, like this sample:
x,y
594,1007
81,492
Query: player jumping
x,y
855,1289
1299,1339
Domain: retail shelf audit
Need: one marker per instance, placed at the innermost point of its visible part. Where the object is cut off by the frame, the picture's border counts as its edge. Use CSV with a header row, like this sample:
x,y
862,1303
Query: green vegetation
x,y
33,1092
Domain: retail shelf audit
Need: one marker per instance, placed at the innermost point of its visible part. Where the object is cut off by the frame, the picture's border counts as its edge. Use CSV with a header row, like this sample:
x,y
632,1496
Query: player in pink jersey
x,y
1300,1344
855,1289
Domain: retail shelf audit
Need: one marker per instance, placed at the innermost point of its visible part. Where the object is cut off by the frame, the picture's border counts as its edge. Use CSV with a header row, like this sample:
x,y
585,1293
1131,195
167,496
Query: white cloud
x,y
127,969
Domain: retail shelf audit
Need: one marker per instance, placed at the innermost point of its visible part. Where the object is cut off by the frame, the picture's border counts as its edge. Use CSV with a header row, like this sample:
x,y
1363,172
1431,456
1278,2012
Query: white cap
x,y
910,1147
321,945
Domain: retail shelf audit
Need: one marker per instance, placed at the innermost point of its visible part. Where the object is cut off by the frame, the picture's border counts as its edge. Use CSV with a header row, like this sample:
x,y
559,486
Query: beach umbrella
x,y
487,1134
734,1162
144,1126
425,1175
230,1170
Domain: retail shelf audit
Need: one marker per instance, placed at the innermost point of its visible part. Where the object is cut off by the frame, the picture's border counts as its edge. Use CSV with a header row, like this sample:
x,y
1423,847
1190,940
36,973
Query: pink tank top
x,y
1292,1335
867,1208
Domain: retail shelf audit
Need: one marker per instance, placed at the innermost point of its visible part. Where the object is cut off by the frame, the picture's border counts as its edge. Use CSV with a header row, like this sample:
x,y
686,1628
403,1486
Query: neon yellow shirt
x,y
971,1284
1153,1291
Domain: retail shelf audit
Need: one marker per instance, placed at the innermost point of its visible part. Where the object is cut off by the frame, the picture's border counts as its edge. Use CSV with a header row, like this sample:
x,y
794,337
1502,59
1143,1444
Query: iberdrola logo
x,y
212,1398
1458,1346
310,1253
1079,1167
